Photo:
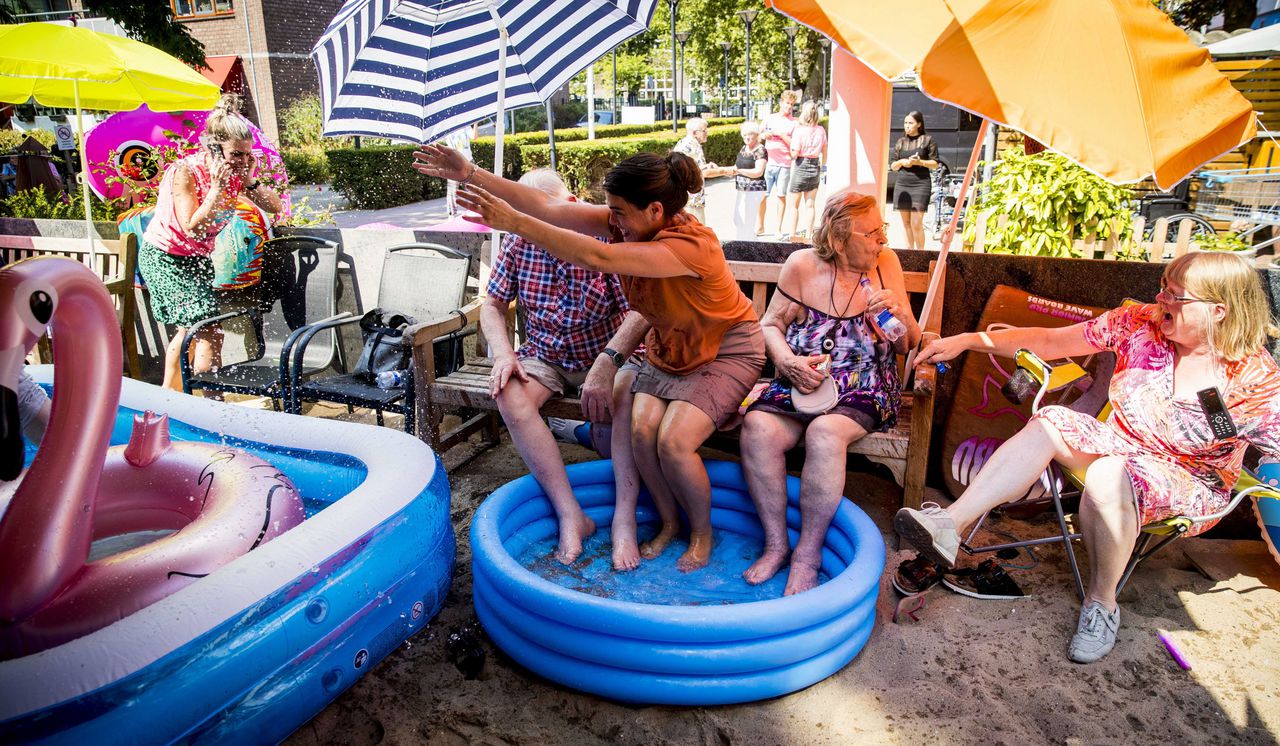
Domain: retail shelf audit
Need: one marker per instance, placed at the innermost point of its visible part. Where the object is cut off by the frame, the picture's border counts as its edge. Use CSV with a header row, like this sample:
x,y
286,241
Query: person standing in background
x,y
776,131
809,154
691,145
912,157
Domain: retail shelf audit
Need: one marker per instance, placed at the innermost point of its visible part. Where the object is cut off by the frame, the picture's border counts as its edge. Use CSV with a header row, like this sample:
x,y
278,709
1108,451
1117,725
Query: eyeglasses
x,y
883,230
1164,296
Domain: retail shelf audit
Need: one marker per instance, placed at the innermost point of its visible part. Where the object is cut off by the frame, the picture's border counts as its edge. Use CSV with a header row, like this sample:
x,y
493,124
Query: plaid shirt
x,y
570,312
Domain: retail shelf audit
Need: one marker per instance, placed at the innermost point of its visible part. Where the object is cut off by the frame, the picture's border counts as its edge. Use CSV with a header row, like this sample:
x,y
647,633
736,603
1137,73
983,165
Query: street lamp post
x,y
724,82
748,16
681,37
675,115
614,107
826,63
791,55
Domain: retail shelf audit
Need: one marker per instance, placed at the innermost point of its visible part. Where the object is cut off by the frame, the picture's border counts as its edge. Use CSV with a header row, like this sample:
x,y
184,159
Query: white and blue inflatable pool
x,y
258,647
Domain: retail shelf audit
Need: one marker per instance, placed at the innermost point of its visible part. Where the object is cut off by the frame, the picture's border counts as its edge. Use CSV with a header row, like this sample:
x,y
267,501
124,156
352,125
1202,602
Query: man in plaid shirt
x,y
579,333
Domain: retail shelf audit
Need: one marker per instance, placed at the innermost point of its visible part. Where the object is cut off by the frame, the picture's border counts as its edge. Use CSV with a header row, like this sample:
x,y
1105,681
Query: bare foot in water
x,y
626,555
770,562
658,544
572,534
698,554
801,578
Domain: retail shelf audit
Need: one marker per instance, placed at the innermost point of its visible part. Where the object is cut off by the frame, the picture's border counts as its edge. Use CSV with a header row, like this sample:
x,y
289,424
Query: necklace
x,y
835,274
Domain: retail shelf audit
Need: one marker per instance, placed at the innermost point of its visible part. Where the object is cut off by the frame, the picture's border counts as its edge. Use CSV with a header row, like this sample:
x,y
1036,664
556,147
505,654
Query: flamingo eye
x,y
41,306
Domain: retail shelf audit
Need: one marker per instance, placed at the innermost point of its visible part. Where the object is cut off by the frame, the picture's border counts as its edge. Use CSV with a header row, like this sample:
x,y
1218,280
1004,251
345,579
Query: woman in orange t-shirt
x,y
704,348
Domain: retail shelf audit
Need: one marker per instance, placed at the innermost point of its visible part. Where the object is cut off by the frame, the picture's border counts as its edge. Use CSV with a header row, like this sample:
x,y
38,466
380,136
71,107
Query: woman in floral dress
x,y
1156,457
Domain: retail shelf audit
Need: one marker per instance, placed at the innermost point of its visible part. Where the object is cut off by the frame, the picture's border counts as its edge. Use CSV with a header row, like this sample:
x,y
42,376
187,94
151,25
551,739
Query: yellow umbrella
x,y
1112,84
67,66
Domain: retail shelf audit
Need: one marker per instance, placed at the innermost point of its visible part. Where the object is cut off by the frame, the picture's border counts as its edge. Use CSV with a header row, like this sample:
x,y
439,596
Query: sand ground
x,y
970,671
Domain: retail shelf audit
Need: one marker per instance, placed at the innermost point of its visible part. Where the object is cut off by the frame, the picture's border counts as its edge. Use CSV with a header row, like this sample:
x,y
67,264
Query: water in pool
x,y
658,581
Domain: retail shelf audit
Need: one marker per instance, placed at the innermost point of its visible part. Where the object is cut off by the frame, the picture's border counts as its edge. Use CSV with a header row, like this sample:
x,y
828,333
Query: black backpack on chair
x,y
384,348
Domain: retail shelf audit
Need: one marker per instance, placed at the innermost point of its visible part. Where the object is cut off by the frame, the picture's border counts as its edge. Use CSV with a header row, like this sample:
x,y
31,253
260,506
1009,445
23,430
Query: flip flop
x,y
915,576
987,581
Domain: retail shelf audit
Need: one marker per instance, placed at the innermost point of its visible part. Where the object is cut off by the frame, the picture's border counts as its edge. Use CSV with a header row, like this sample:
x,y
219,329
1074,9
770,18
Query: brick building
x,y
261,48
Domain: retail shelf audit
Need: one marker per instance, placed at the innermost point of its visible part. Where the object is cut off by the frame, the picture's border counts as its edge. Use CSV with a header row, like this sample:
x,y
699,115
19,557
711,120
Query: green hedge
x,y
382,176
584,163
375,178
306,166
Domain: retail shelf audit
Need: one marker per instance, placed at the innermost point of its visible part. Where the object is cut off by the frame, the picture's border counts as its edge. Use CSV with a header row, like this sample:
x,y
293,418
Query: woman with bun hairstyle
x,y
704,349
197,198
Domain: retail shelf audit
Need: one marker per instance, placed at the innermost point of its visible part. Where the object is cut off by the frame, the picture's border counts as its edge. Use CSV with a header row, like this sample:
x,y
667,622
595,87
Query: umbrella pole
x,y
940,267
84,179
486,257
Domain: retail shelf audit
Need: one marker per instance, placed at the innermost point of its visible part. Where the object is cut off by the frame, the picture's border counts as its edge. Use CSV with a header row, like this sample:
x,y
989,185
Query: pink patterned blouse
x,y
1174,464
166,232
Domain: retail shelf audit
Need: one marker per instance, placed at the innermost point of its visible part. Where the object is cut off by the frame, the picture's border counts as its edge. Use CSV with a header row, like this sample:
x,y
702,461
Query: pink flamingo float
x,y
221,502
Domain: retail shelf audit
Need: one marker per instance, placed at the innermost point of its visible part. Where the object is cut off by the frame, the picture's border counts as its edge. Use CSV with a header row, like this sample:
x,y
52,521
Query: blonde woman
x,y
197,199
808,154
1156,456
776,131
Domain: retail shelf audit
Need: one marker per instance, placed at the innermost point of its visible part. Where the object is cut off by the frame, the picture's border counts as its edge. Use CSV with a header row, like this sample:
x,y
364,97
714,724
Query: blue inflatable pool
x,y
712,653
256,648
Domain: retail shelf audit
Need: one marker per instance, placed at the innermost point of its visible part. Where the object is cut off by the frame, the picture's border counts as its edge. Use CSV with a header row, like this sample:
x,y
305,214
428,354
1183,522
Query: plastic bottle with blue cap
x,y
885,323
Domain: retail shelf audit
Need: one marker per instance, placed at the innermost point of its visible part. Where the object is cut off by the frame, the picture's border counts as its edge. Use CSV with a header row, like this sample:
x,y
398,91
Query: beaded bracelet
x,y
467,180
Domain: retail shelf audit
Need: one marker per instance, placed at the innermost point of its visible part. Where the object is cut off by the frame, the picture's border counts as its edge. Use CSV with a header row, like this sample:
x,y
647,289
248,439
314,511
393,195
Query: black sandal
x,y
915,576
987,581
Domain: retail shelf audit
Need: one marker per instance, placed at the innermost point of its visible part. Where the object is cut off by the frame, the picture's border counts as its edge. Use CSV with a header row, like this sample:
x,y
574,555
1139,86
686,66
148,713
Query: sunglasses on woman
x,y
1165,296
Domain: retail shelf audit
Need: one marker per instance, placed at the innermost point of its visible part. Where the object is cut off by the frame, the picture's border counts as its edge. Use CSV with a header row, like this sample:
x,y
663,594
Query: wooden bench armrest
x,y
426,332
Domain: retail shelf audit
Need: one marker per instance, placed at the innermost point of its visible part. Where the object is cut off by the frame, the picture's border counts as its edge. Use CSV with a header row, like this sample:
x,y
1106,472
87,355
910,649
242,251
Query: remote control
x,y
1215,411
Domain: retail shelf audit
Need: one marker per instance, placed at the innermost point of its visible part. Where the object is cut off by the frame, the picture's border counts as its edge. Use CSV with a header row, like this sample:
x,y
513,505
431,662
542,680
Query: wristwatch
x,y
617,357
251,187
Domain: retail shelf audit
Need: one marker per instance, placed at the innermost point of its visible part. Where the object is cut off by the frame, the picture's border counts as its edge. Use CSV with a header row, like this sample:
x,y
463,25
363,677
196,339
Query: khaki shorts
x,y
718,387
560,381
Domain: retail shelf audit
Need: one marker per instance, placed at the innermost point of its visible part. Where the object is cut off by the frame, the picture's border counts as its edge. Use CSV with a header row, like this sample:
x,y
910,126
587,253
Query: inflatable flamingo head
x,y
28,297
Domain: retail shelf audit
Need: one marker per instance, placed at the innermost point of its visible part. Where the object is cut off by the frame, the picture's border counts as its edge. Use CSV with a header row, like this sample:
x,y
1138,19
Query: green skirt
x,y
181,287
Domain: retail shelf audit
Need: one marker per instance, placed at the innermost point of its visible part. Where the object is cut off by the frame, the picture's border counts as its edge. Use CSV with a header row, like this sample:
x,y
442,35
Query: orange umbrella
x,y
1112,84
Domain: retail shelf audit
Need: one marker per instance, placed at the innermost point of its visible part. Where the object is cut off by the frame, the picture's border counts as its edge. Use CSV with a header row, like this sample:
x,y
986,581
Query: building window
x,y
184,9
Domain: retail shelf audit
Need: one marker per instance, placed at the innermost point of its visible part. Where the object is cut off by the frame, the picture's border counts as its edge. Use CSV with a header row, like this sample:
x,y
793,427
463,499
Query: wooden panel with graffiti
x,y
981,418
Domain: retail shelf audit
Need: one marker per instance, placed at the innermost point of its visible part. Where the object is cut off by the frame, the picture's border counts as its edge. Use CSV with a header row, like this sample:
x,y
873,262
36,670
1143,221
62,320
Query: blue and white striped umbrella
x,y
419,69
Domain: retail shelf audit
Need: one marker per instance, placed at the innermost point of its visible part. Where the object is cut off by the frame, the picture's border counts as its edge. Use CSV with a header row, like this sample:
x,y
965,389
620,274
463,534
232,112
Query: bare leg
x,y
684,429
761,209
172,361
808,200
766,438
791,215
781,202
905,215
626,555
1109,522
1014,467
917,229
518,402
646,419
821,487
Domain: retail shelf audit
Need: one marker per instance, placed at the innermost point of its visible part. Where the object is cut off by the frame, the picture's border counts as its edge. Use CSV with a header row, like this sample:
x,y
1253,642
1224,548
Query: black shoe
x,y
987,581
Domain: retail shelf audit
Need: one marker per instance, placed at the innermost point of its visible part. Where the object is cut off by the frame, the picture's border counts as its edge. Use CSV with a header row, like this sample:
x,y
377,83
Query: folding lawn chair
x,y
1034,374
423,280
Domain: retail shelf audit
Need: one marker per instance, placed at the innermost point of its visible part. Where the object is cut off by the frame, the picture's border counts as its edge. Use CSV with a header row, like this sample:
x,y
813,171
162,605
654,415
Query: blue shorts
x,y
776,180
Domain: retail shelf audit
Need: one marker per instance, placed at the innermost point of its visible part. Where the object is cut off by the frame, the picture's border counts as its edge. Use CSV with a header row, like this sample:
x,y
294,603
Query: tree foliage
x,y
148,22
1193,14
710,22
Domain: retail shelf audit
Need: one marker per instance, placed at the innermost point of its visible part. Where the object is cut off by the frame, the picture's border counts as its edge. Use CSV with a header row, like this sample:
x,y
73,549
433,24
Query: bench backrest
x,y
110,259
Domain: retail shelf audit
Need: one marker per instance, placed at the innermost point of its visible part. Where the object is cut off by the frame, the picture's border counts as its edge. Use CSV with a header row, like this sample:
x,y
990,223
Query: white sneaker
x,y
931,531
1095,633
564,429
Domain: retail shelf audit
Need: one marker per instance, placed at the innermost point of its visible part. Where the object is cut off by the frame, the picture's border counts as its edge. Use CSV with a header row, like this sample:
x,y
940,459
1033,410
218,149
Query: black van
x,y
955,130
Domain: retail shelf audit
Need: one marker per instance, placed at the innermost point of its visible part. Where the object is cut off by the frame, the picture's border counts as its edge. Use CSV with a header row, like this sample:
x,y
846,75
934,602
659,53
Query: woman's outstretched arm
x,y
446,163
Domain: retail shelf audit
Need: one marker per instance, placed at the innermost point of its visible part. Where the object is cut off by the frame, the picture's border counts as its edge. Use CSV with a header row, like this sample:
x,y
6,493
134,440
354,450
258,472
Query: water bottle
x,y
885,323
392,379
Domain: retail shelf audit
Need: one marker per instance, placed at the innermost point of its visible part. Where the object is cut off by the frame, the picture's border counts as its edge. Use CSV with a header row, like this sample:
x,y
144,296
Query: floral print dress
x,y
863,365
1174,464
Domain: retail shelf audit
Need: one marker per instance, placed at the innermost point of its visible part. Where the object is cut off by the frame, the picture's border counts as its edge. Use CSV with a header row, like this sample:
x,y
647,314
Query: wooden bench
x,y
904,449
117,262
